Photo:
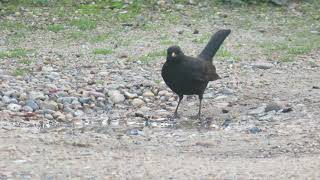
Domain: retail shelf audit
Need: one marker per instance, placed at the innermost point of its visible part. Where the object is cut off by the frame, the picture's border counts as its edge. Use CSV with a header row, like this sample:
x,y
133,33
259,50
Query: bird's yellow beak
x,y
173,54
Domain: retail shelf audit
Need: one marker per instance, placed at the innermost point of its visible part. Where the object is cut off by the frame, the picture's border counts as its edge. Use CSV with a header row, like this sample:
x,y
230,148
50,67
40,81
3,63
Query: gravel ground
x,y
76,115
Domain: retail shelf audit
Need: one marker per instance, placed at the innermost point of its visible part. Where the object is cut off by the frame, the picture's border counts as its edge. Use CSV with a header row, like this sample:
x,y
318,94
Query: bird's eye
x,y
173,54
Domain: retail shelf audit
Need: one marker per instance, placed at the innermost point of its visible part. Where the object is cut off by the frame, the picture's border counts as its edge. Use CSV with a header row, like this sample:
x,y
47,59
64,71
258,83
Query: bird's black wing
x,y
195,70
213,45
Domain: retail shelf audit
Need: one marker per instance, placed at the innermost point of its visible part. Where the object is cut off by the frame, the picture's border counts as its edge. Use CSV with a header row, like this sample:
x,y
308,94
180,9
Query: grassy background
x,y
286,31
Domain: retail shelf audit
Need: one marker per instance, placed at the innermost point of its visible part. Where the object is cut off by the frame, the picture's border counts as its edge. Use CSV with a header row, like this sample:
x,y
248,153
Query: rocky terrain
x,y
91,104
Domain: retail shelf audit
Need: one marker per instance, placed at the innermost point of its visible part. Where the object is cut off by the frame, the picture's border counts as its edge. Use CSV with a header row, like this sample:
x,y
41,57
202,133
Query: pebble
x,y
78,113
116,97
36,95
272,107
11,93
27,109
258,111
254,130
59,116
14,107
179,6
148,93
53,76
68,109
262,65
66,100
163,93
226,91
85,100
137,102
48,116
8,100
96,94
129,95
32,104
131,132
50,105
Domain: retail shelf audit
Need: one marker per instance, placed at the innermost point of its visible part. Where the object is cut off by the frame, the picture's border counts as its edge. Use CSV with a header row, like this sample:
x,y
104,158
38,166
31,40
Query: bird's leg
x,y
176,111
200,104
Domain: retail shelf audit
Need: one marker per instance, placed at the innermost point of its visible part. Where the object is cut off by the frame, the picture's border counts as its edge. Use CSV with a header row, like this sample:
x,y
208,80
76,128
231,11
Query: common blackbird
x,y
187,75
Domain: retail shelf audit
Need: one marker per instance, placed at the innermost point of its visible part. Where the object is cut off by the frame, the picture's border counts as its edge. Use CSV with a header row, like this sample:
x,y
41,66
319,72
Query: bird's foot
x,y
175,116
197,117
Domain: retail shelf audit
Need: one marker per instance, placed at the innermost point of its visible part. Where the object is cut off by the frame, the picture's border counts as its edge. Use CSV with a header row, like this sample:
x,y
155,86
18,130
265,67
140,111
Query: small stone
x,y
224,111
48,111
148,93
23,96
279,2
226,123
131,132
286,110
11,93
163,98
208,96
48,116
116,97
137,102
14,107
179,6
27,109
85,100
268,117
68,109
130,95
163,93
53,76
36,95
8,100
191,2
51,105
96,94
180,31
272,107
196,31
32,104
78,113
254,130
66,100
262,65
258,111
59,116
226,91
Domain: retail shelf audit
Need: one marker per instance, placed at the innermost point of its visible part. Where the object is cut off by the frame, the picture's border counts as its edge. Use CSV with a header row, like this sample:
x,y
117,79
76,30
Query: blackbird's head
x,y
174,53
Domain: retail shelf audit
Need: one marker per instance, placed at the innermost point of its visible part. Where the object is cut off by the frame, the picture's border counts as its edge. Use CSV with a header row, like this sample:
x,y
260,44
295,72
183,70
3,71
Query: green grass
x,y
100,37
84,24
25,61
14,53
165,41
12,25
55,27
102,51
20,71
203,39
90,8
76,35
152,56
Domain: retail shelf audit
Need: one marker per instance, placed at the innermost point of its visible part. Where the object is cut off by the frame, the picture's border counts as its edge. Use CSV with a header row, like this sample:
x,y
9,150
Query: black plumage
x,y
187,75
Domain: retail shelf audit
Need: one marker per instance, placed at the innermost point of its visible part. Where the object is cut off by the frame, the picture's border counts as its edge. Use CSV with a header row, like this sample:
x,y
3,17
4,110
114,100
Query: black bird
x,y
187,75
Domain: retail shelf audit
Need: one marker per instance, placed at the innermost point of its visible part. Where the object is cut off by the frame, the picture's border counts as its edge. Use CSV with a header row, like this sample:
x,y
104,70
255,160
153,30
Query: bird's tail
x,y
213,45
